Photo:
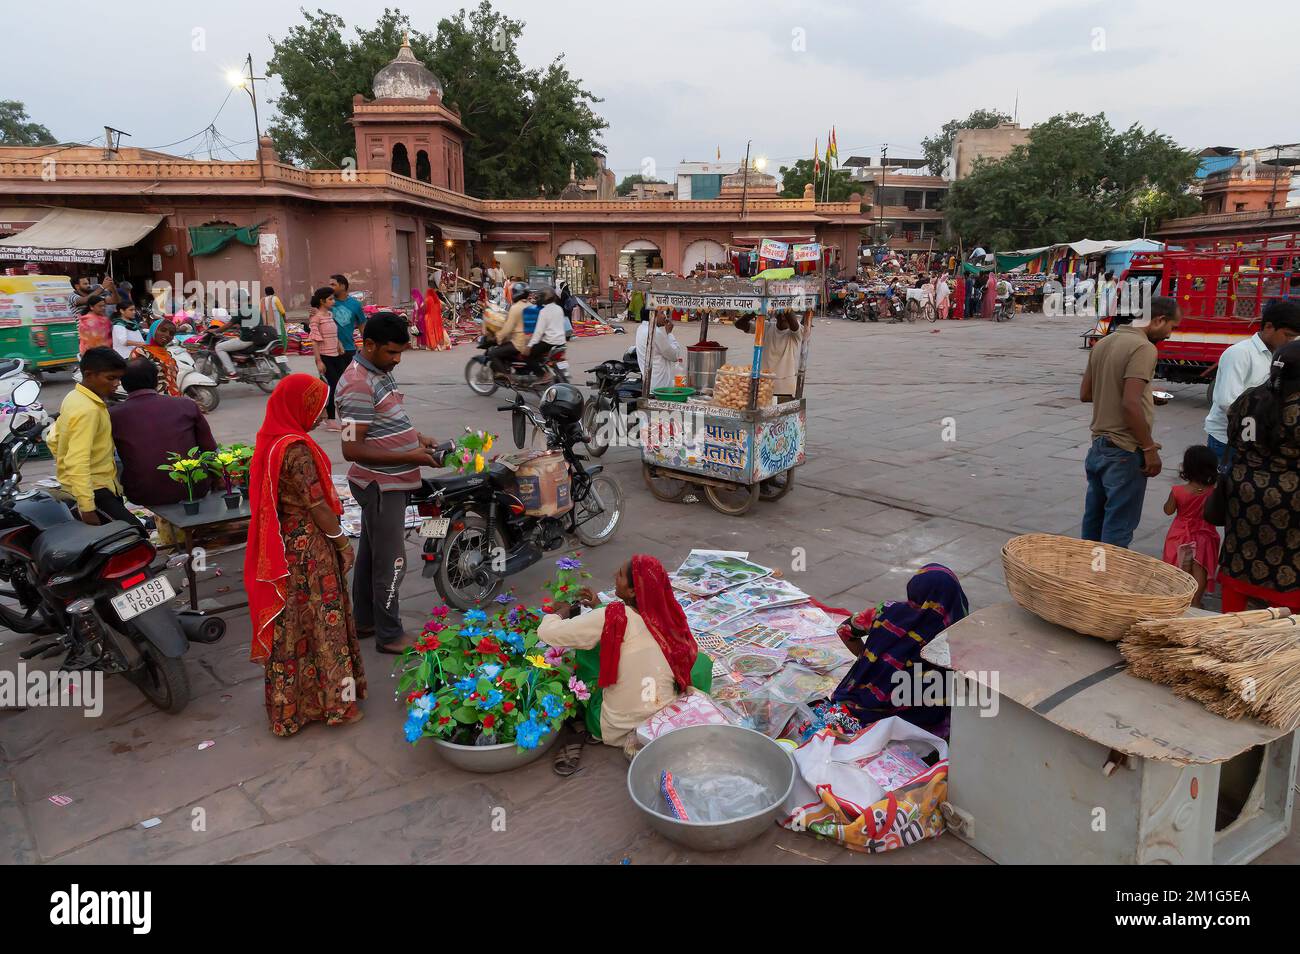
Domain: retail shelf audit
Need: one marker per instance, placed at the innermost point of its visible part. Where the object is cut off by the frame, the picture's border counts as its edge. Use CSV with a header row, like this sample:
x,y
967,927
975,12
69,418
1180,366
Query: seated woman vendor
x,y
888,639
639,654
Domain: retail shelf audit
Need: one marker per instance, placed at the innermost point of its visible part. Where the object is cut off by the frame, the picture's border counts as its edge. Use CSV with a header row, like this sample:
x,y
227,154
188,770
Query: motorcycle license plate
x,y
142,598
562,365
435,527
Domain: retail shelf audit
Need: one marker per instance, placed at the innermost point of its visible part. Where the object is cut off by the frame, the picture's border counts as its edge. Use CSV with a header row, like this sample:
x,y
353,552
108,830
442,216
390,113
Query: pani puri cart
x,y
734,455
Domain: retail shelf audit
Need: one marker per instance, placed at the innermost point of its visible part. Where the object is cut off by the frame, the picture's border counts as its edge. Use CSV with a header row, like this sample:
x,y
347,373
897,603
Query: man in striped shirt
x,y
387,453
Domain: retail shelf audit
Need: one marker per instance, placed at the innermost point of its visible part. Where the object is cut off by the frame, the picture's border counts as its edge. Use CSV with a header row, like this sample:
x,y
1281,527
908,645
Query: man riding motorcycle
x,y
512,339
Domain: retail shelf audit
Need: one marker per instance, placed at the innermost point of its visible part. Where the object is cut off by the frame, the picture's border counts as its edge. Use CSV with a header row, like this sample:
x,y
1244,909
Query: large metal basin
x,y
711,748
492,758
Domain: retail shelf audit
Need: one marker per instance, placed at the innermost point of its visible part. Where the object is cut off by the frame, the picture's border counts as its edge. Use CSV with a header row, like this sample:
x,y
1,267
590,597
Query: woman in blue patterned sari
x,y
888,639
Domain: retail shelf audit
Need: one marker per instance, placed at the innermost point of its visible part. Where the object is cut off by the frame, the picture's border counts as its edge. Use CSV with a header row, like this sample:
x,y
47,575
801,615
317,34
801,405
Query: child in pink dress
x,y
1192,543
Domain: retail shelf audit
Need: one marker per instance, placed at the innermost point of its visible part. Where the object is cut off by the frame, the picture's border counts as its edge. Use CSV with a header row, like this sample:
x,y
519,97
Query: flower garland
x,y
467,454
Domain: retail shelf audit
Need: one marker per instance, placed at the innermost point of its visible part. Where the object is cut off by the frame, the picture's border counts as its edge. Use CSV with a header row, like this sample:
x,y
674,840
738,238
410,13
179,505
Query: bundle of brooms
x,y
1234,664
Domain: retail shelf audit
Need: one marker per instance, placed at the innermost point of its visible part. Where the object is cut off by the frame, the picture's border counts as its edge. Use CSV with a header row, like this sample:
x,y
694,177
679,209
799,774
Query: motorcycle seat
x,y
9,364
64,546
454,483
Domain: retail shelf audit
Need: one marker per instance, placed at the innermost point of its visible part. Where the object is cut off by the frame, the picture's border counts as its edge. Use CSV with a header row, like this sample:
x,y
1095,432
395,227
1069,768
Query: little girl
x,y
1192,543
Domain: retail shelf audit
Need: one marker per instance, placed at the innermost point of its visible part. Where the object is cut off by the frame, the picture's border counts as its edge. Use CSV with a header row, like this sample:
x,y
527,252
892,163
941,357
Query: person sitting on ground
x,y
146,427
154,350
888,639
781,344
82,441
636,655
548,333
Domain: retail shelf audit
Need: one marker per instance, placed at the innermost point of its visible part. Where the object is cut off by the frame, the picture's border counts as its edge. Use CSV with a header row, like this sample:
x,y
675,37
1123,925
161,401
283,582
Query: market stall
x,y
729,434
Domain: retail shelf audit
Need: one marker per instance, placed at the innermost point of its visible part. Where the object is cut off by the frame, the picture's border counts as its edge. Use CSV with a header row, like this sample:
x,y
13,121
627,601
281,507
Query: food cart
x,y
734,454
37,325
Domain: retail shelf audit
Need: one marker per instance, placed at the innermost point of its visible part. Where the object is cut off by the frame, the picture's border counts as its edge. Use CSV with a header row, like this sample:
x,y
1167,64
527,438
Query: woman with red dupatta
x,y
296,569
629,646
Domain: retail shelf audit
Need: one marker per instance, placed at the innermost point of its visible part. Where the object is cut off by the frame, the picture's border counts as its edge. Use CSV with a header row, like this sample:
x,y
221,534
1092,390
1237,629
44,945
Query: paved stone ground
x,y
881,494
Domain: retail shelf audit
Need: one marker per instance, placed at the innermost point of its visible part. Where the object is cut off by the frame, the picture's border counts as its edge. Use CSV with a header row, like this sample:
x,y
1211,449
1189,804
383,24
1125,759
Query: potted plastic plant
x,y
189,469
245,452
489,693
227,465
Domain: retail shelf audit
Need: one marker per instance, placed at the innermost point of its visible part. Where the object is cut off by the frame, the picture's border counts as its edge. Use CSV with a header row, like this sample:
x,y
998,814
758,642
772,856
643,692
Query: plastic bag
x,y
720,797
796,684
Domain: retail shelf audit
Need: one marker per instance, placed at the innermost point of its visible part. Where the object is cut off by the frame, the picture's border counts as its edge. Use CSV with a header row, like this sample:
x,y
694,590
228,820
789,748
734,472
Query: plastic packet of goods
x,y
755,660
823,655
796,684
690,708
894,766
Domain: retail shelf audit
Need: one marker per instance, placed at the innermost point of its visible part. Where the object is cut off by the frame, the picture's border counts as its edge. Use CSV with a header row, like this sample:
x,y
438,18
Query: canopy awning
x,y
457,234
66,235
518,236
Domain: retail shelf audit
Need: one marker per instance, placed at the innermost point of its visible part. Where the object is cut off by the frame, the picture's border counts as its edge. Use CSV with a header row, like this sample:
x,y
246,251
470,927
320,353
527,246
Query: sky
x,y
682,79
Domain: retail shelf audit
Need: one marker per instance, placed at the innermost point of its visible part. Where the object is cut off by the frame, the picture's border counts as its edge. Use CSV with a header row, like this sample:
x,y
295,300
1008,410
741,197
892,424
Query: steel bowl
x,y
492,758
710,748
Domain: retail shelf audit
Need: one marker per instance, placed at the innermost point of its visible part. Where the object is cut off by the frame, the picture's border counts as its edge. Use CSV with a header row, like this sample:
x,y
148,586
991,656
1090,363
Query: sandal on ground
x,y
567,763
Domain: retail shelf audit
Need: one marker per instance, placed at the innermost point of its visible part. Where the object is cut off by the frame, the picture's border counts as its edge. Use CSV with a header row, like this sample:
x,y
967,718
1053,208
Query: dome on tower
x,y
406,77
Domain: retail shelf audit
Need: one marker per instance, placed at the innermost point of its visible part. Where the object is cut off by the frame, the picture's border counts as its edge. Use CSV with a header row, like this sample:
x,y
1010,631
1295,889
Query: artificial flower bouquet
x,y
567,583
189,468
228,465
488,680
468,454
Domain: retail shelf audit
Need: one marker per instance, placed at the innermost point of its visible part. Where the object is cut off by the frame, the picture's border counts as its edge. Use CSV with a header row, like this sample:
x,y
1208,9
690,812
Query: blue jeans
x,y
1221,451
1116,487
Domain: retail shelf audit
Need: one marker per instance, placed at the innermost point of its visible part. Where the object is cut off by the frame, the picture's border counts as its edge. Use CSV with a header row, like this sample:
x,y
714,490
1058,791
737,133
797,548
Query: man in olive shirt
x,y
1123,455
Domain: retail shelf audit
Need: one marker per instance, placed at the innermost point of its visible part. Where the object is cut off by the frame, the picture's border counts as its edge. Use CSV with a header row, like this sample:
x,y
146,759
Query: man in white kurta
x,y
667,351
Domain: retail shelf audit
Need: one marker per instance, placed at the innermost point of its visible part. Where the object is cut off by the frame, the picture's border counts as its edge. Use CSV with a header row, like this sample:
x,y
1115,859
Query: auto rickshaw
x,y
37,324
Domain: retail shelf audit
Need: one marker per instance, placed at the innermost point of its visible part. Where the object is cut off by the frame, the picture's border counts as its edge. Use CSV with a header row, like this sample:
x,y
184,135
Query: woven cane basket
x,y
1092,588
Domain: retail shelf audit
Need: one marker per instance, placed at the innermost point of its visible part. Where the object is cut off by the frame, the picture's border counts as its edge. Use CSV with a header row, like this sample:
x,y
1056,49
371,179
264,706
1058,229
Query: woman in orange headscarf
x,y
295,568
161,333
628,646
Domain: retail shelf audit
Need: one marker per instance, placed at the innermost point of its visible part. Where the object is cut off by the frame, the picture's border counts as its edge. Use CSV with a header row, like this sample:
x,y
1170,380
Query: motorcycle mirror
x,y
519,427
25,393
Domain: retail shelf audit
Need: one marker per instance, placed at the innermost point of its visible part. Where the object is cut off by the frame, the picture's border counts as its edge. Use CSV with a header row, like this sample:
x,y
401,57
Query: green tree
x,y
15,130
1076,178
937,149
525,126
794,178
625,187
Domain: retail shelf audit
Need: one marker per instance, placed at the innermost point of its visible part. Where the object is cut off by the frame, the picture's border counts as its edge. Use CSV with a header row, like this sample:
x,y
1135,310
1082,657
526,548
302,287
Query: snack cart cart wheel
x,y
663,485
776,486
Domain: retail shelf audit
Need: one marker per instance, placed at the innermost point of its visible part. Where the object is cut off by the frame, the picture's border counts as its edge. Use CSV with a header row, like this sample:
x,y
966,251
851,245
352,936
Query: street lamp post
x,y
248,85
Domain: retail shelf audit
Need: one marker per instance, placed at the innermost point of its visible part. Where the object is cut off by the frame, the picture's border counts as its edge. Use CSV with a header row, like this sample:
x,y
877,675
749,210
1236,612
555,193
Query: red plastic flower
x,y
508,706
489,721
443,720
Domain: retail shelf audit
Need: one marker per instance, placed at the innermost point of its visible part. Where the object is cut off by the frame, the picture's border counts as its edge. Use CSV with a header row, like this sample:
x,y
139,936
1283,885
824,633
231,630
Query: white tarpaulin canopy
x,y
80,230
457,234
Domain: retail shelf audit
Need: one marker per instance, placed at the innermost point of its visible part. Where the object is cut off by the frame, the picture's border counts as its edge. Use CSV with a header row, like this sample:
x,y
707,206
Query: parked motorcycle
x,y
483,379
91,591
262,365
616,388
478,531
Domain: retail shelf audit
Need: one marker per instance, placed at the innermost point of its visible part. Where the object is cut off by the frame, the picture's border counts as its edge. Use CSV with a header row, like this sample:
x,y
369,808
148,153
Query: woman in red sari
x,y
296,568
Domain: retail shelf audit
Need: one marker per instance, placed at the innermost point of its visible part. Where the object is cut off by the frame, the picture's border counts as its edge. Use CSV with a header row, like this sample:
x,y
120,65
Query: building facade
x,y
971,145
389,222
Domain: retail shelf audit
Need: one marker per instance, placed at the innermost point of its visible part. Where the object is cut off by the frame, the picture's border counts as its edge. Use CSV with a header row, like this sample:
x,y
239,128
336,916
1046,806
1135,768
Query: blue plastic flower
x,y
492,701
552,706
505,598
465,686
529,733
568,563
475,616
489,670
423,705
514,640
414,727
472,632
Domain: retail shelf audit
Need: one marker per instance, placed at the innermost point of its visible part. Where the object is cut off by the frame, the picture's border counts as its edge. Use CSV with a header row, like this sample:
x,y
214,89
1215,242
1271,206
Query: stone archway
x,y
703,252
423,171
400,160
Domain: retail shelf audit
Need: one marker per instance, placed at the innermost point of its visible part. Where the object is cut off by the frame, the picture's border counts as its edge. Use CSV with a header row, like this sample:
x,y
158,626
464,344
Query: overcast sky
x,y
682,79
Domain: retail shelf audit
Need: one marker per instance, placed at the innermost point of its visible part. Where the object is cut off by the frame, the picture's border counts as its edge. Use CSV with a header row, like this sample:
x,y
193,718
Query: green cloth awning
x,y
210,239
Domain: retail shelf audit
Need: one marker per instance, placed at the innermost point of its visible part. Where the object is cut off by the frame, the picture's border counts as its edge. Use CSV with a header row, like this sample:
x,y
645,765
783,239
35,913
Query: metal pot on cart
x,y
734,452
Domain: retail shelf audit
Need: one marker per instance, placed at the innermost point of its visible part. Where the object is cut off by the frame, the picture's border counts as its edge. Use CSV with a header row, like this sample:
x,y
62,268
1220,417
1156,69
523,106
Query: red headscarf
x,y
291,411
662,615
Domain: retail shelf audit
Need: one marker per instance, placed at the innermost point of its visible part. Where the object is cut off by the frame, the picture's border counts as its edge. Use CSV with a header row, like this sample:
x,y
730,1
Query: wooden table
x,y
213,521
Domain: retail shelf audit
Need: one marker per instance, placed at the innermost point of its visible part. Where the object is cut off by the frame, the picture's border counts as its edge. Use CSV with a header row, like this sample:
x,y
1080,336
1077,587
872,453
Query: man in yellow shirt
x,y
82,440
